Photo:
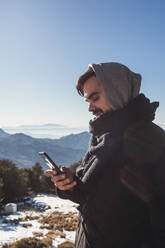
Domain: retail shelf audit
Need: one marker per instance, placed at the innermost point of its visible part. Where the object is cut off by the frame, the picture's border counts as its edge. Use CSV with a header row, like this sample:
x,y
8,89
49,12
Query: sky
x,y
46,45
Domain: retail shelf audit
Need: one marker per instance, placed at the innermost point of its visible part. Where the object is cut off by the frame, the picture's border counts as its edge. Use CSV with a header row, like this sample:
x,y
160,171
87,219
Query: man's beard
x,y
97,111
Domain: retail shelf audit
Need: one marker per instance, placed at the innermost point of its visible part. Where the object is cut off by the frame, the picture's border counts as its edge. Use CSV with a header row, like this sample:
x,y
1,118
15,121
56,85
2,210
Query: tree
x,y
37,170
24,173
1,191
35,177
14,186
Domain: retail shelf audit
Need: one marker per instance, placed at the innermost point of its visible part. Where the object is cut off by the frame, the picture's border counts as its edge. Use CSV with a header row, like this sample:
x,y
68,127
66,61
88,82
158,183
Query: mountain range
x,y
49,130
23,149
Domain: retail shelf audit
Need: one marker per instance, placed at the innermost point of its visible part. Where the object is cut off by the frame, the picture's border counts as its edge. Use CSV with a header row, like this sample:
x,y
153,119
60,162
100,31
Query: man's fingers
x,y
63,182
50,173
68,186
56,179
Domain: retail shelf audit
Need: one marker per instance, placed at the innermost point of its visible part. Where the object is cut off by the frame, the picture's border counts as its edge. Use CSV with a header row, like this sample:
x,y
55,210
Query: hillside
x,y
23,149
74,141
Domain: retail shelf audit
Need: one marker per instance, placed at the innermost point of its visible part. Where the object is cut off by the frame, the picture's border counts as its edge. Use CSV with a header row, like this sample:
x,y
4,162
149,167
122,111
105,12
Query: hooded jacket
x,y
118,82
120,184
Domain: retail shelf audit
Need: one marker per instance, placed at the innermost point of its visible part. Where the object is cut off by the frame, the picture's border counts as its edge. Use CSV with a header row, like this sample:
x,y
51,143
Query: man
x,y
120,186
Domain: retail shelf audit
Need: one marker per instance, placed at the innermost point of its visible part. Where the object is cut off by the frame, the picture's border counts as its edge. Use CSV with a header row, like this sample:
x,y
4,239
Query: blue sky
x,y
46,45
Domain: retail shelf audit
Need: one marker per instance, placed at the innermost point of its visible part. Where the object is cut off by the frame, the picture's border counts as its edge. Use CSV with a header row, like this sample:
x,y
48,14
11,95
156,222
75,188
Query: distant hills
x,y
48,125
23,149
49,130
3,134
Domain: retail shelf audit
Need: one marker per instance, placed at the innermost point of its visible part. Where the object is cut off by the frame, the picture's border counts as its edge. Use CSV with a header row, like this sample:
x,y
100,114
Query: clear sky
x,y
46,44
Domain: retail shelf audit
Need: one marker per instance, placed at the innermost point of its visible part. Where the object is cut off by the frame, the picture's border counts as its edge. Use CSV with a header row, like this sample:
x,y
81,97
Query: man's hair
x,y
82,79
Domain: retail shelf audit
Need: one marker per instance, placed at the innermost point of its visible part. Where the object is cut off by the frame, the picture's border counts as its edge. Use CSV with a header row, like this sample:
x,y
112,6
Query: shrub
x,y
14,186
35,177
1,192
30,243
66,244
37,181
60,221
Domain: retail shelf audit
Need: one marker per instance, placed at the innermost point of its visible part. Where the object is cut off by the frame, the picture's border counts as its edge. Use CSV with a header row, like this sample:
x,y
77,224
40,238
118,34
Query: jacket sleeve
x,y
77,194
85,185
158,204
93,171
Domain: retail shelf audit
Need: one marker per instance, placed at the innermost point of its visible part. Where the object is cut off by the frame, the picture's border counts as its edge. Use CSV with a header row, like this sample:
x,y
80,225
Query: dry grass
x,y
26,225
66,244
56,222
59,221
37,234
54,233
30,243
29,217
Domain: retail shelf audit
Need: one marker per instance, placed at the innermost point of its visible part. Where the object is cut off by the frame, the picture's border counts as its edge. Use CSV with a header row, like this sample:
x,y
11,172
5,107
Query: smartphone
x,y
50,162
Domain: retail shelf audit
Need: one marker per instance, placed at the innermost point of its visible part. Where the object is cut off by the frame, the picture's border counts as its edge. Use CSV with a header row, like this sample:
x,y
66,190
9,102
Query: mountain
x,y
78,141
48,125
50,130
23,149
3,133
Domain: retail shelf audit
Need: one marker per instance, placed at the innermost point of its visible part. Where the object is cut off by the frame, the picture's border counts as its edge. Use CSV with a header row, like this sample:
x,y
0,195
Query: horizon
x,y
50,125
44,131
46,45
38,131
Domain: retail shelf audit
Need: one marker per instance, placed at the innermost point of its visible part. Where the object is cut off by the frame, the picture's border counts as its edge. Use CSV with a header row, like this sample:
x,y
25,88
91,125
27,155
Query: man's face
x,y
94,95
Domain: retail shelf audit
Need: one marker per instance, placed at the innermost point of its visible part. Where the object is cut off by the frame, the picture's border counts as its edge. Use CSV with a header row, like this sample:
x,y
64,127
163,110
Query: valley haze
x,y
49,130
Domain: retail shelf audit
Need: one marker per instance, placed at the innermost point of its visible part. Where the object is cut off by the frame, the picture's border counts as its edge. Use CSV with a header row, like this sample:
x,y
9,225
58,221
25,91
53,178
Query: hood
x,y
120,85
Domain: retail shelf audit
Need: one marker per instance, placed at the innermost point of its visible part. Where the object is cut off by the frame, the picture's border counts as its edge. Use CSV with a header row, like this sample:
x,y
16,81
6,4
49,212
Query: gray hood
x,y
119,84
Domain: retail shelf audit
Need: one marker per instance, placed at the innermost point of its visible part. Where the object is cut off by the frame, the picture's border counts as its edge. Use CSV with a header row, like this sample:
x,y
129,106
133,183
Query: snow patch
x,y
11,229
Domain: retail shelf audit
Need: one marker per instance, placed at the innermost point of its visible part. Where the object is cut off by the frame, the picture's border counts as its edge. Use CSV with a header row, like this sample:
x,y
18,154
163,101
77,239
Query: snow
x,y
10,232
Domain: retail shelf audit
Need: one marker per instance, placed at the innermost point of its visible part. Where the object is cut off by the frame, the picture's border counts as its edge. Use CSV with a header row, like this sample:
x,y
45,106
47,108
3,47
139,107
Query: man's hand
x,y
63,181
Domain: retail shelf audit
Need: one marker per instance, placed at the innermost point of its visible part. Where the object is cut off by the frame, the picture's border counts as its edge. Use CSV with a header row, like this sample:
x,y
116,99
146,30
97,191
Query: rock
x,y
10,208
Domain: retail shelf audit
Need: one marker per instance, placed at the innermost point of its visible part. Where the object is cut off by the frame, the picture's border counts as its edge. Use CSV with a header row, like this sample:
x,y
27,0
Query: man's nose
x,y
91,107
